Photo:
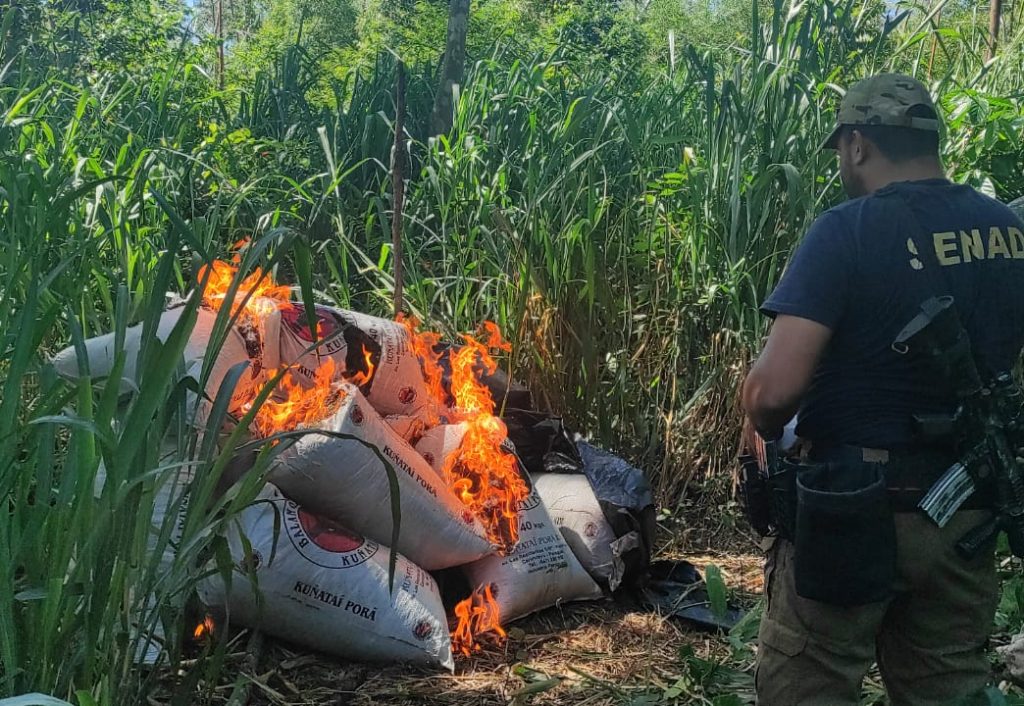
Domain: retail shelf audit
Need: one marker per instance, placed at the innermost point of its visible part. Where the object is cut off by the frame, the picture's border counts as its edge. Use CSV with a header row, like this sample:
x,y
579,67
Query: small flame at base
x,y
204,630
477,615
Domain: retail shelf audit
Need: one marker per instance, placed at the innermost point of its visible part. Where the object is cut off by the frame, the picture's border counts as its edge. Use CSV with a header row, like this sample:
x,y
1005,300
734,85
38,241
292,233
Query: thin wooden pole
x,y
219,22
995,11
398,158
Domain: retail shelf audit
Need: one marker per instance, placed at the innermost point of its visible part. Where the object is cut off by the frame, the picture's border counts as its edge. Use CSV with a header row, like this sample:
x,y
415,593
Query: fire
x,y
476,615
362,377
264,297
294,406
204,629
424,345
481,473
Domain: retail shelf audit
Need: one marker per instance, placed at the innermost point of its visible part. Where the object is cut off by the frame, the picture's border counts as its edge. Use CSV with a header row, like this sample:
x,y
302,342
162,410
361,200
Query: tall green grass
x,y
621,229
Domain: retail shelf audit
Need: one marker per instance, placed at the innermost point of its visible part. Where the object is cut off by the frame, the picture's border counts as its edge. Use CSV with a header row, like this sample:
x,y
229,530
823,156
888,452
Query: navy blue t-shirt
x,y
863,270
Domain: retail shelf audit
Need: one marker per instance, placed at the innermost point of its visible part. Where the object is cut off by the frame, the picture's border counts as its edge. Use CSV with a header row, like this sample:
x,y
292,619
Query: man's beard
x,y
853,185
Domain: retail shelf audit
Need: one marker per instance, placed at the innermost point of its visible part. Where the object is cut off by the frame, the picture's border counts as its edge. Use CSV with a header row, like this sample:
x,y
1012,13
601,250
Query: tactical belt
x,y
909,474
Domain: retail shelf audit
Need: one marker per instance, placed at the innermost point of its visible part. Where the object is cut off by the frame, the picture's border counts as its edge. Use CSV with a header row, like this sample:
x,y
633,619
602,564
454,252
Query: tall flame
x,y
424,345
476,615
481,473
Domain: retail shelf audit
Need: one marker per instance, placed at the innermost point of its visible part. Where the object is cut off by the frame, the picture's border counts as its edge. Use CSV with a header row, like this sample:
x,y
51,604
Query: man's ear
x,y
859,148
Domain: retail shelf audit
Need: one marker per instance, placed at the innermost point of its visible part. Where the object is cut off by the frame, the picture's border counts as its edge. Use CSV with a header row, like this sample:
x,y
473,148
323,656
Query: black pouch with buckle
x,y
845,539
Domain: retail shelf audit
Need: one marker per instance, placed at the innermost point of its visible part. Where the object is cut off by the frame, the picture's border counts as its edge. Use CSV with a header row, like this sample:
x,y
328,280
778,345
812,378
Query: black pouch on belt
x,y
845,544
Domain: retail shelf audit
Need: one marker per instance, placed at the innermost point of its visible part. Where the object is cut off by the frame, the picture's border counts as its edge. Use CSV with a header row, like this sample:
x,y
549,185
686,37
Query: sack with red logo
x,y
409,427
356,343
324,587
541,572
577,513
345,479
243,343
436,444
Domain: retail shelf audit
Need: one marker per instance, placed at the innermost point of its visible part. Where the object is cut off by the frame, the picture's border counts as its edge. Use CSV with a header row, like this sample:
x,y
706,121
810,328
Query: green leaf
x,y
85,698
537,687
716,590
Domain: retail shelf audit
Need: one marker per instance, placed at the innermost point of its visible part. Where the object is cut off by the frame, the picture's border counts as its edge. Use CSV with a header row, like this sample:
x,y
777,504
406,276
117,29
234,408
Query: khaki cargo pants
x,y
929,640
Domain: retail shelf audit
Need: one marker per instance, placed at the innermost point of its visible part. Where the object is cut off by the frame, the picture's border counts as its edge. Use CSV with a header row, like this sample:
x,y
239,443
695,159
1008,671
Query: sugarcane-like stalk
x,y
398,159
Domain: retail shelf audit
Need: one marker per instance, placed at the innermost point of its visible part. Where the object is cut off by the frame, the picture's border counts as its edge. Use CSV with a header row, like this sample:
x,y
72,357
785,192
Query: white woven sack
x,y
576,512
100,352
436,444
397,385
540,573
324,587
407,426
346,481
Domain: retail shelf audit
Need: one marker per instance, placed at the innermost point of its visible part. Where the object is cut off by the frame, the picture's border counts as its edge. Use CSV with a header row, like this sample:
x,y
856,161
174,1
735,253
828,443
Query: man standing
x,y
860,274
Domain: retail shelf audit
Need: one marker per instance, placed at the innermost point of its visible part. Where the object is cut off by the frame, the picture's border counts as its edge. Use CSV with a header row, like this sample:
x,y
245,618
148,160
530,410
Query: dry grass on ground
x,y
584,654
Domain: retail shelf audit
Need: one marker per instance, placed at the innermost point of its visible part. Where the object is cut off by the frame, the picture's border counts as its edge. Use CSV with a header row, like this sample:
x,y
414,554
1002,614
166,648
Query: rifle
x,y
988,424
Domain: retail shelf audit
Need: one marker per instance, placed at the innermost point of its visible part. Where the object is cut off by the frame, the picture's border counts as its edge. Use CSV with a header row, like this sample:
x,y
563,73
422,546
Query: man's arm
x,y
780,377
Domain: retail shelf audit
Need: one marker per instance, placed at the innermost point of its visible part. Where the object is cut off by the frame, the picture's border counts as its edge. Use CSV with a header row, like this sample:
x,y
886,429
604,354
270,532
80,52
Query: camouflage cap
x,y
884,99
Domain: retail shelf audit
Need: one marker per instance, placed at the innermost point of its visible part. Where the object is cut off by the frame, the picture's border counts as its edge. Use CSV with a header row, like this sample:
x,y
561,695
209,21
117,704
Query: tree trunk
x,y
453,67
993,26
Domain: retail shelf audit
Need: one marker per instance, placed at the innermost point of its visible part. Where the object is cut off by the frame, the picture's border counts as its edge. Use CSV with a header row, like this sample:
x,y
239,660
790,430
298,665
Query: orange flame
x,y
362,377
476,615
424,345
264,297
204,629
481,473
293,406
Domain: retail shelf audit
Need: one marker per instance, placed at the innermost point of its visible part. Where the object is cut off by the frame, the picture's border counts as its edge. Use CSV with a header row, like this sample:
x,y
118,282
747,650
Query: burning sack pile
x,y
389,425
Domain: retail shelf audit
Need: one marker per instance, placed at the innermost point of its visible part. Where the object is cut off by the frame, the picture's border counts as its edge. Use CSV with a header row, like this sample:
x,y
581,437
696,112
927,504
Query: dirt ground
x,y
602,653
595,654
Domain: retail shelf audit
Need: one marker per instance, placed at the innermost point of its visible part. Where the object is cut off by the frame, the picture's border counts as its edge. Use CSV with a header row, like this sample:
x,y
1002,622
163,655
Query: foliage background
x,y
621,187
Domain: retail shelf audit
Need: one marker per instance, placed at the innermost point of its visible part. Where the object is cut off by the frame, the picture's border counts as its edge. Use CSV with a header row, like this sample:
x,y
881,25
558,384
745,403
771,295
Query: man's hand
x,y
782,373
753,443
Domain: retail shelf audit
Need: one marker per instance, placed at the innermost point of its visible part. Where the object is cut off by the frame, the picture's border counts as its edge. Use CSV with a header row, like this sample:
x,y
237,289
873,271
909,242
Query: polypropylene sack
x,y
259,347
396,385
539,573
324,587
345,480
436,444
577,514
409,427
